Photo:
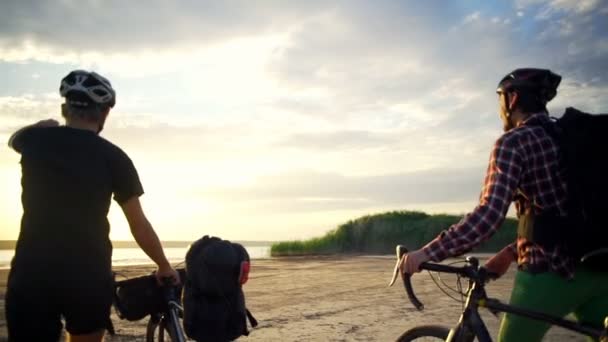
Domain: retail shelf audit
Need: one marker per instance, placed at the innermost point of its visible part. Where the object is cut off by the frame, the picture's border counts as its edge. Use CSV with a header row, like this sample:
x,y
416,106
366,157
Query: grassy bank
x,y
378,234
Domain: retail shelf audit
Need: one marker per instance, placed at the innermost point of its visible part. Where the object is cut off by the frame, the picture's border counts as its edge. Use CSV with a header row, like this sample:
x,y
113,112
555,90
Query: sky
x,y
279,120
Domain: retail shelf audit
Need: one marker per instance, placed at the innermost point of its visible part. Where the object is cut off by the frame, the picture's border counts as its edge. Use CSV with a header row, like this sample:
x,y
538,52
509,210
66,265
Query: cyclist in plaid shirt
x,y
524,168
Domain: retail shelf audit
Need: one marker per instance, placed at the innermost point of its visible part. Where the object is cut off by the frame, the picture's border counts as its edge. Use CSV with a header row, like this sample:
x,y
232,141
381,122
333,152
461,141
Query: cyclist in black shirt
x,y
62,263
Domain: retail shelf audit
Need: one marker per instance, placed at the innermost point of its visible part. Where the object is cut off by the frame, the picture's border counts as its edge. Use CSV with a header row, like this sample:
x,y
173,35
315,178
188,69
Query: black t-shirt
x,y
68,178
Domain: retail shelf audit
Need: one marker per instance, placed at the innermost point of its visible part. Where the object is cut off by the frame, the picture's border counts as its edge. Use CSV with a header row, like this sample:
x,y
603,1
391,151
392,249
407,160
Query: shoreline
x,y
481,256
117,244
136,257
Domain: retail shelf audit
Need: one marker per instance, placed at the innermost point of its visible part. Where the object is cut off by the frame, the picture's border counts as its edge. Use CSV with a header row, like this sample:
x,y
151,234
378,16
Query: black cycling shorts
x,y
35,307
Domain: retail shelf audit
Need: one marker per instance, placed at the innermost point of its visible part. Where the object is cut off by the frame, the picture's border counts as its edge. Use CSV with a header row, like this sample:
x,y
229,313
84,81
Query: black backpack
x,y
583,141
213,299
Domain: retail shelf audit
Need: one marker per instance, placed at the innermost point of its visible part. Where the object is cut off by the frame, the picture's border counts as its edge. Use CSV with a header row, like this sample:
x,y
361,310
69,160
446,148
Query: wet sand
x,y
342,298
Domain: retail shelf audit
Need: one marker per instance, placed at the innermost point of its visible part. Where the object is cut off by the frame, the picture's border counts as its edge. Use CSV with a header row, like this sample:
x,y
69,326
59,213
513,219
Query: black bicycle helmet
x,y
81,87
543,82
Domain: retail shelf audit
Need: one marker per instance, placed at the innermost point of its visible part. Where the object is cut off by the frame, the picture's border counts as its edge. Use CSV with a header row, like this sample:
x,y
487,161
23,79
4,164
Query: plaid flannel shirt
x,y
524,168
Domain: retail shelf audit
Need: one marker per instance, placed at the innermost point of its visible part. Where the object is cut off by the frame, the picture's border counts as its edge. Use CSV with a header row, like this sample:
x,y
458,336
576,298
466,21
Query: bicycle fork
x,y
470,323
469,326
174,323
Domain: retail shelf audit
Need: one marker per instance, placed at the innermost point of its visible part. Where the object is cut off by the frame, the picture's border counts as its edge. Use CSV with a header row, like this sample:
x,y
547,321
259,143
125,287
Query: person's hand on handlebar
x,y
167,272
410,262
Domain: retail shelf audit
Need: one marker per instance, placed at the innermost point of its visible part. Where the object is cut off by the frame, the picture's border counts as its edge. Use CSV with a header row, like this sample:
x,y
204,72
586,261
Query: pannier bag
x,y
138,297
213,298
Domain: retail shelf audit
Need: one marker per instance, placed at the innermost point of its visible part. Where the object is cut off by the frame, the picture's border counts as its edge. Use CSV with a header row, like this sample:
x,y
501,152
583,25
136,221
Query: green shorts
x,y
585,296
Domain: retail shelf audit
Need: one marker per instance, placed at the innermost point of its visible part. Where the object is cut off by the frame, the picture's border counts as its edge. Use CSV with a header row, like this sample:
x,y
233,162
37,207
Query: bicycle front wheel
x,y
425,333
157,330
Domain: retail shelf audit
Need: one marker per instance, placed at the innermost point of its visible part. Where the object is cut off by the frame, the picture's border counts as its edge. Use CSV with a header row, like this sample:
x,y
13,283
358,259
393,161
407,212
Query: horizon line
x,y
10,244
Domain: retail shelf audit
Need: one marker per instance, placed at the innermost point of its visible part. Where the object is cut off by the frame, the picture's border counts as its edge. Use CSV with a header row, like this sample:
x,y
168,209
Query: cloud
x,y
340,140
370,70
315,191
313,45
586,96
578,6
110,26
471,17
16,111
330,67
384,104
551,6
221,62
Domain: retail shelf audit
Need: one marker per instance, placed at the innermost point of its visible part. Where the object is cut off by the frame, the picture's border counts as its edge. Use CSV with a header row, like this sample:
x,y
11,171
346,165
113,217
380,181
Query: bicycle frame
x,y
470,324
169,320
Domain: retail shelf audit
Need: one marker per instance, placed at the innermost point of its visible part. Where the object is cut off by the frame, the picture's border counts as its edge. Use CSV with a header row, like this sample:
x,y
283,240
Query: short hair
x,y
91,112
530,102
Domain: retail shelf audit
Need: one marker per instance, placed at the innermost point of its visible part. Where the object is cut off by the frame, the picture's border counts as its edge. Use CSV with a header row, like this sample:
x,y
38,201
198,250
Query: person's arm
x,y
146,238
500,262
16,140
500,184
501,181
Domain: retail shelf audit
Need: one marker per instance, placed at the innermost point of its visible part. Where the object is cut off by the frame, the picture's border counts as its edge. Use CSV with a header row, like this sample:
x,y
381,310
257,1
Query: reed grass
x,y
378,234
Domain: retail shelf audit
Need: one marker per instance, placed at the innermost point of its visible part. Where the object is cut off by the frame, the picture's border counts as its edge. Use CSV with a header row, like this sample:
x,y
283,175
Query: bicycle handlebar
x,y
171,291
401,251
471,270
480,275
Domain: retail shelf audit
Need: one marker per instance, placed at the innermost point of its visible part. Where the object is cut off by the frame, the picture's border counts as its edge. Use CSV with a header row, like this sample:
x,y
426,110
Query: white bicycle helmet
x,y
96,88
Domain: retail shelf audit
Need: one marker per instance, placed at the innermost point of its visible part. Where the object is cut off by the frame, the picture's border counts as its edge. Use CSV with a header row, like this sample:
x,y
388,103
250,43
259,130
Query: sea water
x,y
135,256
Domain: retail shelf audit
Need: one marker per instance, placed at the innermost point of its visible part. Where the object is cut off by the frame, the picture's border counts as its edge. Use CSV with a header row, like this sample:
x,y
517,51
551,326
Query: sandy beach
x,y
342,298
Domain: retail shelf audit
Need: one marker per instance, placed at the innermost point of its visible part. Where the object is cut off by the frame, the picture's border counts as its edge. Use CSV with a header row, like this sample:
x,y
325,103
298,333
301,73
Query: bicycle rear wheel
x,y
425,333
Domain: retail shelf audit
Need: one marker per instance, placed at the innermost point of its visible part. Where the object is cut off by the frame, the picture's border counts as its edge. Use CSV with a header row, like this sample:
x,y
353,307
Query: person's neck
x,y
518,117
84,125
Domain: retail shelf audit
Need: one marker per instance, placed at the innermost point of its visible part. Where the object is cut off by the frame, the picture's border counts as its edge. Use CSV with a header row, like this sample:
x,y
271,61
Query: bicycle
x,y
136,298
471,325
